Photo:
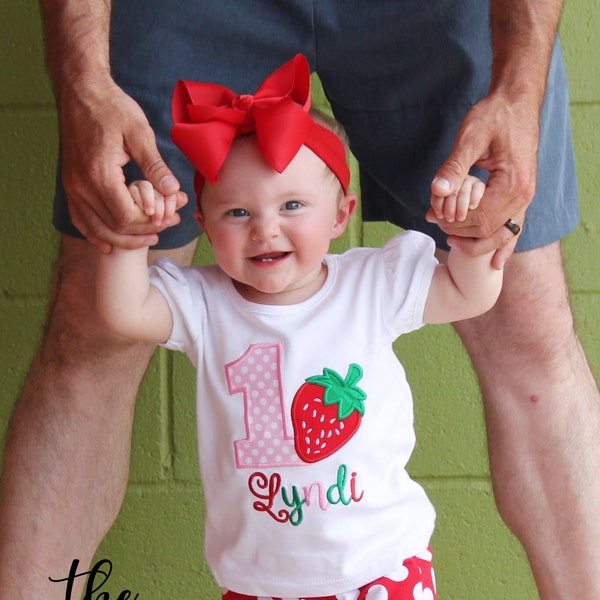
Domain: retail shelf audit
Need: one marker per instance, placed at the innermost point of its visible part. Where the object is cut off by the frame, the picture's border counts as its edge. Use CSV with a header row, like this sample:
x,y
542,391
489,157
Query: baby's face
x,y
271,231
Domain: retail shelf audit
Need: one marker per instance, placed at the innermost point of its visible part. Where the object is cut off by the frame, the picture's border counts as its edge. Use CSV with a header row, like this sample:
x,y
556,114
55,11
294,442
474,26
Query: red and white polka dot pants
x,y
415,580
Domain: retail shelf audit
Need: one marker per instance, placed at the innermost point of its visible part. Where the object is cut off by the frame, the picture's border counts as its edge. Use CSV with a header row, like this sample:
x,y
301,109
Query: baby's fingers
x,y
437,205
468,197
445,208
463,203
143,195
171,204
477,192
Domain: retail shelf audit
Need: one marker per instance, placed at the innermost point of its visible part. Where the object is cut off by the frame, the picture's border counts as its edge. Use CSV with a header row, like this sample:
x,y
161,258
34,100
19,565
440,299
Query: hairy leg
x,y
66,460
542,411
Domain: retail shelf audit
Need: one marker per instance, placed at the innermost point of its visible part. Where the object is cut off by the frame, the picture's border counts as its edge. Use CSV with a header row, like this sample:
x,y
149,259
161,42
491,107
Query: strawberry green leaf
x,y
342,391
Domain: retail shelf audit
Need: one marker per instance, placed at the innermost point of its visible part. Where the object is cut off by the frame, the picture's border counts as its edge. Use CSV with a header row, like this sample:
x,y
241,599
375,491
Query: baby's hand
x,y
455,207
152,202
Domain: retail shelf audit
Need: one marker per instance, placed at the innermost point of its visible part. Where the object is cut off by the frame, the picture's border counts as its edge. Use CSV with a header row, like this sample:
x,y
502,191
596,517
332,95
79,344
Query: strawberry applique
x,y
326,412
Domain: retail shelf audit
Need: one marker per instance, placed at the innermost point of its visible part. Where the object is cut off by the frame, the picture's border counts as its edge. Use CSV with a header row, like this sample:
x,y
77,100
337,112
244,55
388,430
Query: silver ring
x,y
514,227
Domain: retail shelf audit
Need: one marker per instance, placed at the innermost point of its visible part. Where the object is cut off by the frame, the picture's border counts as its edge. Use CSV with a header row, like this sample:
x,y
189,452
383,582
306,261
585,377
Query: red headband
x,y
208,117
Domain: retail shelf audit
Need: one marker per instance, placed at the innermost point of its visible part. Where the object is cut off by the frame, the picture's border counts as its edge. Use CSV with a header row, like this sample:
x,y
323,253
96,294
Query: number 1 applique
x,y
257,375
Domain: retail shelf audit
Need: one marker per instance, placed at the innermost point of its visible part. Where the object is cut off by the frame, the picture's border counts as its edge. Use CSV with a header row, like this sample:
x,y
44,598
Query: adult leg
x,y
66,459
542,411
67,453
402,115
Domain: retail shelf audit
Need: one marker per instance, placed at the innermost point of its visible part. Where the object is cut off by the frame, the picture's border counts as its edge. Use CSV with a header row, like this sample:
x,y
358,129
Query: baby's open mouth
x,y
270,257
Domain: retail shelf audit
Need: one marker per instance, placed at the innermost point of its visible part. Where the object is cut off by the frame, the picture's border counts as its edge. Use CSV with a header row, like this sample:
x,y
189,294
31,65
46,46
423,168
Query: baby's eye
x,y
237,212
293,205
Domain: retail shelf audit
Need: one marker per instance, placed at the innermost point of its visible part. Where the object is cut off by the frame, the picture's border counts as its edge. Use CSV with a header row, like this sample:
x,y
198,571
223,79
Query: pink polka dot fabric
x,y
415,580
256,376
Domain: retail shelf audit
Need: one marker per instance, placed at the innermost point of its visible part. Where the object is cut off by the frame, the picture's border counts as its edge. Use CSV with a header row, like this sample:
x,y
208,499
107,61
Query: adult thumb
x,y
161,177
471,145
450,176
145,153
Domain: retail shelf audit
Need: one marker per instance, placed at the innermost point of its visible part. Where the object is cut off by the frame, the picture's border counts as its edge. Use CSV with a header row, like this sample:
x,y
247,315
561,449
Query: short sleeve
x,y
178,287
409,263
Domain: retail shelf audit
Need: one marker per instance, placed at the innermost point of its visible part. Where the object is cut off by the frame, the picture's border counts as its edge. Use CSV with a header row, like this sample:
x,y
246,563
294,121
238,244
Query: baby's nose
x,y
265,228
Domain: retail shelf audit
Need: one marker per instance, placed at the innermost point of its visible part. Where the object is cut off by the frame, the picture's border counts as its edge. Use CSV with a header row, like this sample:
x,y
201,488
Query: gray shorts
x,y
400,77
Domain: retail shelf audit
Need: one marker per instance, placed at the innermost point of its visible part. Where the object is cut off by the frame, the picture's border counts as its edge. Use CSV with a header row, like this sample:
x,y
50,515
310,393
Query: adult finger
x,y
469,148
141,146
503,240
103,237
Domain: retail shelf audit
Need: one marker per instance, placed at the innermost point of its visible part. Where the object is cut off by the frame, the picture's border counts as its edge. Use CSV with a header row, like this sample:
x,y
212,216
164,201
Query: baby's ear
x,y
346,209
200,218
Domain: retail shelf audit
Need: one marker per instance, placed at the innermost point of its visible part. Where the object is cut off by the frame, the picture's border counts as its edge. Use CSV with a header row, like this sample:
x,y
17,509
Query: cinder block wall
x,y
156,545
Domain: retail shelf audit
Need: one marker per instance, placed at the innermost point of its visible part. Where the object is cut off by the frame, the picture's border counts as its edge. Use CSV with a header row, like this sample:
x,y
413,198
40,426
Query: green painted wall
x,y
156,544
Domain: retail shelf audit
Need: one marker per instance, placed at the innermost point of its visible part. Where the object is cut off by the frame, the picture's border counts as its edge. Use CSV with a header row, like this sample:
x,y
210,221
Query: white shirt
x,y
277,525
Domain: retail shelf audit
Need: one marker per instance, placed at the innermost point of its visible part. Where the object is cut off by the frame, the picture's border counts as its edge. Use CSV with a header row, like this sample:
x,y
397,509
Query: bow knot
x,y
208,117
243,102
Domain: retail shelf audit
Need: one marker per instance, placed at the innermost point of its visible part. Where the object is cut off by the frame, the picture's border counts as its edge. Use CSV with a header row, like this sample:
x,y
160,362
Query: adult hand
x,y
500,135
102,129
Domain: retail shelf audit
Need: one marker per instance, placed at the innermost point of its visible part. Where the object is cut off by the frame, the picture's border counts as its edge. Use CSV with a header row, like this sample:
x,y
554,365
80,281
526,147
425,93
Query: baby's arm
x,y
125,300
465,286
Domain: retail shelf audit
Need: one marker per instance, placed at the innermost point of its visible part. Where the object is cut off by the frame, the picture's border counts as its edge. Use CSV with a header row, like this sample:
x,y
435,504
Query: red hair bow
x,y
208,117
